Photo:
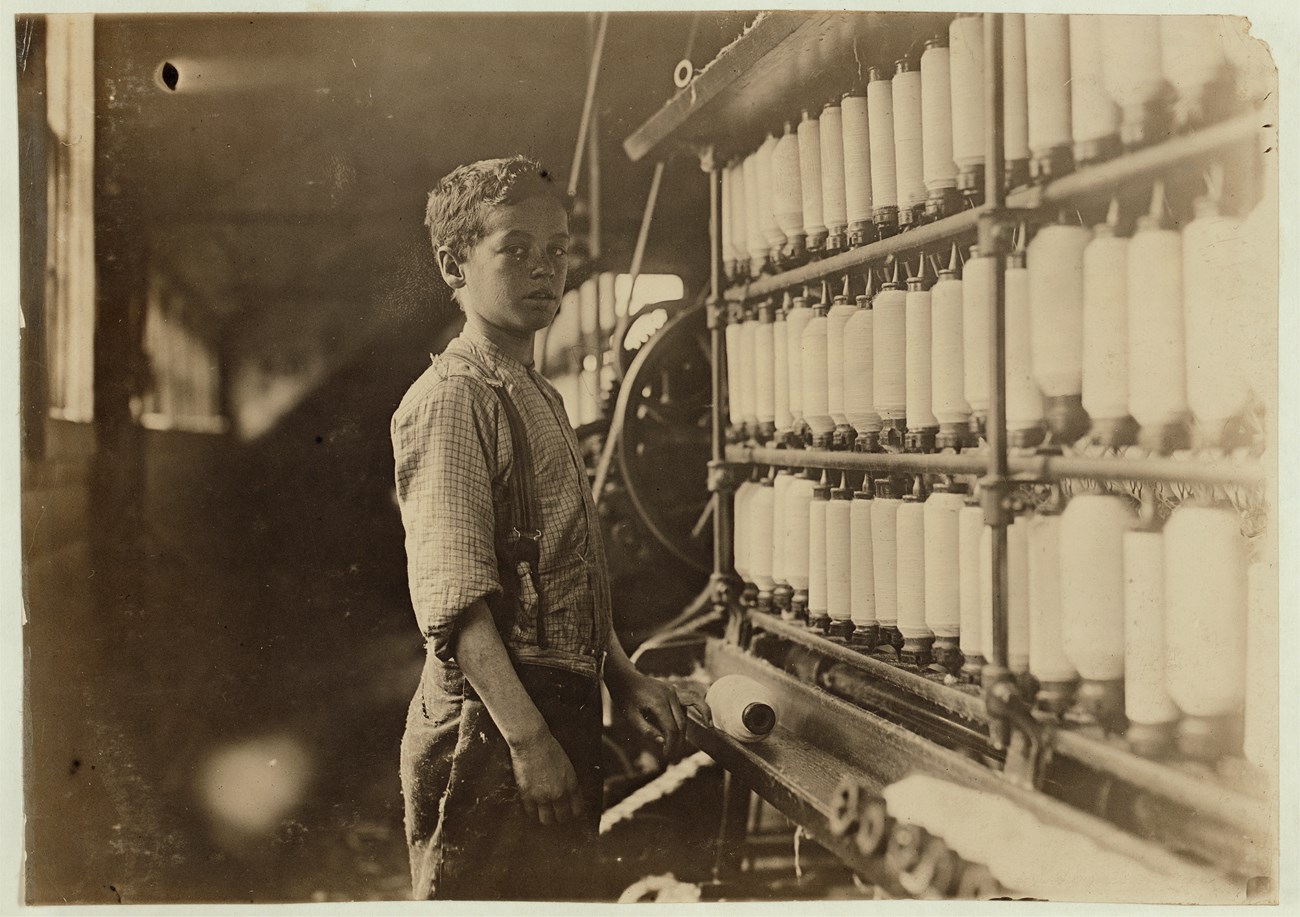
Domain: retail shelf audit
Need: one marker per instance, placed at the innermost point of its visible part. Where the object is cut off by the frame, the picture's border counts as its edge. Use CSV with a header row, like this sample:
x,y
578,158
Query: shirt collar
x,y
494,353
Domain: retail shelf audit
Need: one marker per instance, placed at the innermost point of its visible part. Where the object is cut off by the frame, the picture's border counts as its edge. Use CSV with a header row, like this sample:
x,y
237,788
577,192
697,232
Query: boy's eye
x,y
559,251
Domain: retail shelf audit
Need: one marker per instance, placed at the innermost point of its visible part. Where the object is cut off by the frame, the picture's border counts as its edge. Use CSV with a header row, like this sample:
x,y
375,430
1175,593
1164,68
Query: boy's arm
x,y
650,705
545,776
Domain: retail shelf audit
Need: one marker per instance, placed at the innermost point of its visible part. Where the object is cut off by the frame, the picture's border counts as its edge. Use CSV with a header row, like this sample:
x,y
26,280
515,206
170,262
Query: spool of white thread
x,y
764,368
771,229
862,567
977,289
880,122
1047,78
1157,375
1215,262
966,78
1105,330
1018,595
810,176
1055,262
839,557
1092,592
734,392
919,403
780,492
834,204
936,119
739,214
760,544
859,359
1094,117
755,239
948,351
1192,58
1015,104
728,238
986,591
1047,660
781,380
796,322
787,187
1151,712
1205,622
943,564
970,526
818,599
798,500
858,175
889,354
884,558
816,389
1261,727
742,708
749,372
910,535
1024,400
838,316
1131,67
909,153
740,553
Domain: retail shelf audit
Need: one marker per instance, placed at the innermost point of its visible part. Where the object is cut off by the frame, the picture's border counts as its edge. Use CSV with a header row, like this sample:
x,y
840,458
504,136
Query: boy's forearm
x,y
484,660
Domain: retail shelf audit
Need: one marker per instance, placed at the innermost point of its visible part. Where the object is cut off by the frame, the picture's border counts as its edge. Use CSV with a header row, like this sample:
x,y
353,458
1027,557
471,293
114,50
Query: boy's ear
x,y
449,266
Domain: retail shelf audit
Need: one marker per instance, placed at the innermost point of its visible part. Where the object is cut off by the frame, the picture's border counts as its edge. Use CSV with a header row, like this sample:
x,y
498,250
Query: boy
x,y
500,761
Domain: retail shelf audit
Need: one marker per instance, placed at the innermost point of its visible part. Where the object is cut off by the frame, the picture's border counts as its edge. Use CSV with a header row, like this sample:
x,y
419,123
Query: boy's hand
x,y
650,705
547,783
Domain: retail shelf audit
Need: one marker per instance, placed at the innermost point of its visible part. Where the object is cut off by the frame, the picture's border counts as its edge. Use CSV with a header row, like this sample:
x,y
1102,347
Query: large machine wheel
x,y
665,399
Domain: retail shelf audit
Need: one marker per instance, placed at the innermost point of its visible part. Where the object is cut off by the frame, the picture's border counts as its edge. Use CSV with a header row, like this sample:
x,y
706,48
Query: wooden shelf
x,y
1025,467
784,62
1095,182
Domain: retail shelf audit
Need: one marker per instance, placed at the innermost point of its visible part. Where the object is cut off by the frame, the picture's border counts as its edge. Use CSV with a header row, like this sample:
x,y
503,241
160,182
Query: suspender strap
x,y
522,540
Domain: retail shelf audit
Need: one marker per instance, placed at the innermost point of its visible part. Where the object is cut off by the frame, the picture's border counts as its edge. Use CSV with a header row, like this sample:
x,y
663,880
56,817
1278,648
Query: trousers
x,y
467,833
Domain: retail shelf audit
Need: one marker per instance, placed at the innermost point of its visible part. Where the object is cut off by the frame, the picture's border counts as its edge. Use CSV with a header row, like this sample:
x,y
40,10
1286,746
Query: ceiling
x,y
290,164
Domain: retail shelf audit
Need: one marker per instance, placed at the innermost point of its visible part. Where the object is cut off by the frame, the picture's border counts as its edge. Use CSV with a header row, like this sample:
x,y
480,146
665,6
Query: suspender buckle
x,y
526,546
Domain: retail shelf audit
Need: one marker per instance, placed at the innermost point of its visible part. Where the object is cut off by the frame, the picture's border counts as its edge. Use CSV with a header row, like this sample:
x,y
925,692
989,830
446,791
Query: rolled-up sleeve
x,y
445,449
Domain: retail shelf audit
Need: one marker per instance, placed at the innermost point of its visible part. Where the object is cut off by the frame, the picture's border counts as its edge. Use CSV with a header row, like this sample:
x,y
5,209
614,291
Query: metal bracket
x,y
1026,739
708,159
997,228
725,477
716,312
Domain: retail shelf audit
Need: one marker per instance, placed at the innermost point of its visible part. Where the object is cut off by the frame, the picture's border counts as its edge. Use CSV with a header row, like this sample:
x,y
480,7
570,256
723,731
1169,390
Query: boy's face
x,y
513,277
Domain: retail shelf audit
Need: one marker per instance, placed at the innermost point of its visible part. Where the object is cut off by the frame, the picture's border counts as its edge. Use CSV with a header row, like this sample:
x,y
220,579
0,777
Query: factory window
x,y
70,190
185,381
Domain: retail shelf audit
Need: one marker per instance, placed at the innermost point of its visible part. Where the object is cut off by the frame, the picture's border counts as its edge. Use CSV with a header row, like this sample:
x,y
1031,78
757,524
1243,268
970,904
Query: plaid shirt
x,y
453,452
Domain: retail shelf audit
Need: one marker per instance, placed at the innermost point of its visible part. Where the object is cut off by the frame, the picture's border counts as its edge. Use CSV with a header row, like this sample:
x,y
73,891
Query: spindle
x,y
1131,59
1048,663
966,76
1024,400
1018,596
1094,117
782,592
1157,374
740,554
764,373
884,173
818,599
749,372
1152,715
947,357
743,708
943,573
865,630
815,394
977,288
739,220
834,202
859,359
735,394
787,196
1047,78
1015,100
857,167
884,560
839,560
1055,262
761,511
1205,626
936,130
766,178
796,320
1105,334
909,153
910,546
842,309
781,371
922,426
798,501
728,235
970,525
810,175
1092,600
889,354
755,237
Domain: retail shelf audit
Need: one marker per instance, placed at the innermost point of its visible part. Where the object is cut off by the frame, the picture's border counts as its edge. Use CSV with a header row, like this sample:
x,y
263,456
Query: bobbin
x,y
884,187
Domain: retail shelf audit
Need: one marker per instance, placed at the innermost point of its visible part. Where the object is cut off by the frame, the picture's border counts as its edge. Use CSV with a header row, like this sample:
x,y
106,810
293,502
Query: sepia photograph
x,y
672,455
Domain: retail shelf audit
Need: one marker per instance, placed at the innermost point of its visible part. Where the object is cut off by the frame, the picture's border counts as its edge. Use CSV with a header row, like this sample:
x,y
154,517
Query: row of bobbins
x,y
1149,627
908,145
1110,333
